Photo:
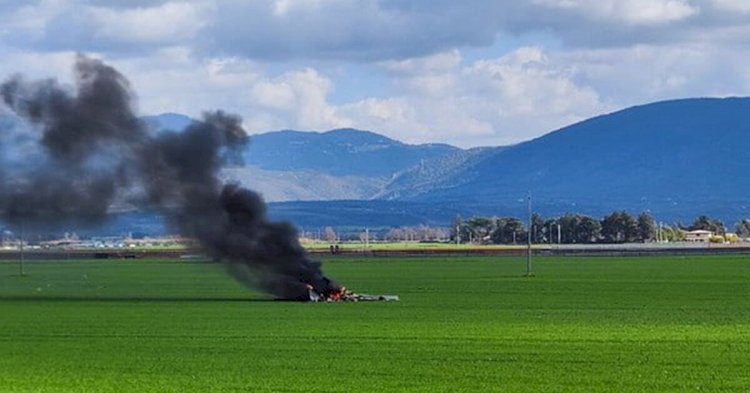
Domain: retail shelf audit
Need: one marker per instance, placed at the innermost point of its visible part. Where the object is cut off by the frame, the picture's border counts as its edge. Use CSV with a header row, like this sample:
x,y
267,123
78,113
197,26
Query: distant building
x,y
698,236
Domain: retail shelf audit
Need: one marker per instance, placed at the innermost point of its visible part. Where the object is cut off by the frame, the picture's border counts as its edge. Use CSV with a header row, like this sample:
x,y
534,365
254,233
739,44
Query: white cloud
x,y
303,95
274,96
286,7
36,65
437,98
286,63
345,30
733,5
438,62
502,100
629,11
646,73
497,101
176,81
31,19
168,23
527,84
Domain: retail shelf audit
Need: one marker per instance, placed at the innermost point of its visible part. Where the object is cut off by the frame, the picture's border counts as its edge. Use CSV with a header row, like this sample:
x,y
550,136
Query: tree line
x,y
616,227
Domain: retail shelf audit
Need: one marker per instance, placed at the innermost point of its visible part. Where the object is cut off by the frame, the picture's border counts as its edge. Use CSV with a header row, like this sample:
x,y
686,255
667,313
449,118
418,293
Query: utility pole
x,y
367,237
528,242
559,235
458,234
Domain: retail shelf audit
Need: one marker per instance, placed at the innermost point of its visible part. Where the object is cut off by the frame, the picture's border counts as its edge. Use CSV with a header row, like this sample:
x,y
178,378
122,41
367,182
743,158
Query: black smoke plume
x,y
89,150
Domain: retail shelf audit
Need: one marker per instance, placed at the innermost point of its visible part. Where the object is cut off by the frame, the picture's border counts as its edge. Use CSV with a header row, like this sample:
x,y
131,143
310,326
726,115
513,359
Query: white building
x,y
698,236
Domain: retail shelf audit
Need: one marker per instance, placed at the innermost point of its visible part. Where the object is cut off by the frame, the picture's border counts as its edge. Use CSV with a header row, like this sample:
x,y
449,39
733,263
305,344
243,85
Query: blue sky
x,y
469,73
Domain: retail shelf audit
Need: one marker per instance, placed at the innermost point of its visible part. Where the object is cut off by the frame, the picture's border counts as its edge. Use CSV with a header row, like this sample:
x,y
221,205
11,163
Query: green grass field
x,y
666,324
318,246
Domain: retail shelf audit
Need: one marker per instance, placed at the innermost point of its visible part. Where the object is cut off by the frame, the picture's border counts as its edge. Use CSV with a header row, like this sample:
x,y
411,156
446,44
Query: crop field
x,y
662,324
359,246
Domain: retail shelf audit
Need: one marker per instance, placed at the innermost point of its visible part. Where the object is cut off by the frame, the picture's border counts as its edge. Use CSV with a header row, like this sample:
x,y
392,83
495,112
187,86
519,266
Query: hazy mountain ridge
x,y
677,159
687,153
432,174
302,185
338,152
291,165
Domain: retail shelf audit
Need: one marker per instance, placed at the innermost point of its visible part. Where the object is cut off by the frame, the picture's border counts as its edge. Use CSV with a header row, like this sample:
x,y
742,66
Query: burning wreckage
x,y
344,295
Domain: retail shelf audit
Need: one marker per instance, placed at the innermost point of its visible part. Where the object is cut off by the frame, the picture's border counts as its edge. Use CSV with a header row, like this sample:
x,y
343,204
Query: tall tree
x,y
589,230
481,228
578,229
707,223
508,230
672,233
743,228
549,230
619,227
568,227
646,227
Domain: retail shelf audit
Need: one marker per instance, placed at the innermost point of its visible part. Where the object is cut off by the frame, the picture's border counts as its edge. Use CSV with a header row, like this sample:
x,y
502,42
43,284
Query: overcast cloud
x,y
470,73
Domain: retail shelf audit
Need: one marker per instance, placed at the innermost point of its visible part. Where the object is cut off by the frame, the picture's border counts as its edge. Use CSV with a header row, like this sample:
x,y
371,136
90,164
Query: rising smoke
x,y
88,148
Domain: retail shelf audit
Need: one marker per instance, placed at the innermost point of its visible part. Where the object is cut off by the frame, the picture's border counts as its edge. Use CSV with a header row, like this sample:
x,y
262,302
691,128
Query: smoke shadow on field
x,y
136,299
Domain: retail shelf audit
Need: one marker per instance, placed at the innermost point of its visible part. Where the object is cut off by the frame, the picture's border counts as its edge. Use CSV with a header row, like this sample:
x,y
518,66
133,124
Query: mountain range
x,y
676,159
343,164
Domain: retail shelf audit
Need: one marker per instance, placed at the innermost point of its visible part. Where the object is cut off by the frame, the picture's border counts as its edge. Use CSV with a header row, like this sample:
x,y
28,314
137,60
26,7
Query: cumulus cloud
x,y
436,98
494,101
470,73
36,64
58,25
173,80
301,95
442,97
638,12
363,30
169,23
733,5
649,73
438,62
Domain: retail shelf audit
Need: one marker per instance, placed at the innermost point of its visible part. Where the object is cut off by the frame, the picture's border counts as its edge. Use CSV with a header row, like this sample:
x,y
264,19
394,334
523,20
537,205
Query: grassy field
x,y
667,324
415,246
